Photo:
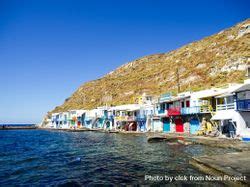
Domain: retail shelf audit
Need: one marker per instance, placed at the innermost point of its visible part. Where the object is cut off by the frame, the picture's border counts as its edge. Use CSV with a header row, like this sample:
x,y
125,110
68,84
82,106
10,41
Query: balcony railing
x,y
161,112
243,105
72,118
225,106
175,111
191,110
125,118
131,118
206,109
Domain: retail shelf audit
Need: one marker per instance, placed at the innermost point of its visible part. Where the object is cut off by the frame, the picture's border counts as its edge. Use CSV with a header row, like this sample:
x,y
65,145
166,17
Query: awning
x,y
209,94
223,115
227,94
128,107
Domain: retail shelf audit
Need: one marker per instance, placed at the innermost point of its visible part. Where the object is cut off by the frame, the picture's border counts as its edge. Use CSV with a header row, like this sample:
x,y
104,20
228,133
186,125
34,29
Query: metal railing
x,y
191,110
131,118
206,109
174,111
121,118
125,118
225,106
161,112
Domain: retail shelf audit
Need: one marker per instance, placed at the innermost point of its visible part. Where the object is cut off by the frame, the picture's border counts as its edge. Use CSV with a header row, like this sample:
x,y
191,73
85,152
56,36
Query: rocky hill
x,y
212,61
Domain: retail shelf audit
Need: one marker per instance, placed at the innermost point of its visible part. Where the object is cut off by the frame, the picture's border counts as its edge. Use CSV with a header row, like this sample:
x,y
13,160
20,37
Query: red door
x,y
179,125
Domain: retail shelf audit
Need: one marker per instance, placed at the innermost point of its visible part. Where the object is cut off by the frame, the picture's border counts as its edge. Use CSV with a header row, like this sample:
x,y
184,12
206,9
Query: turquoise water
x,y
37,157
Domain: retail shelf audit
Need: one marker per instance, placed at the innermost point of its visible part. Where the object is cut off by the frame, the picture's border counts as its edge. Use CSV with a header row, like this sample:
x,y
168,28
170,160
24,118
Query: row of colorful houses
x,y
181,113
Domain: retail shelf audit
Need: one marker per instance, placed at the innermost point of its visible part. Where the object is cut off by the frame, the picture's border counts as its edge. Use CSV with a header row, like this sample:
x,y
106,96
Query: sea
x,y
13,124
59,158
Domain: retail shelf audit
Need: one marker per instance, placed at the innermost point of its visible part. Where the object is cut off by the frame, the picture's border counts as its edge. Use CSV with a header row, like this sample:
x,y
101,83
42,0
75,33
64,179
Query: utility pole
x,y
178,80
248,71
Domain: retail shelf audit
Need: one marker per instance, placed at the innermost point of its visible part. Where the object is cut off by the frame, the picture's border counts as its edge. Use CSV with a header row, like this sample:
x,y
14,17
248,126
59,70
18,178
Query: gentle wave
x,y
36,157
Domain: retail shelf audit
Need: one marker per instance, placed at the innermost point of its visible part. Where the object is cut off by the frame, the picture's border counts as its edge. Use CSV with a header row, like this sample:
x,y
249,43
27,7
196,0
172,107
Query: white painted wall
x,y
244,131
157,126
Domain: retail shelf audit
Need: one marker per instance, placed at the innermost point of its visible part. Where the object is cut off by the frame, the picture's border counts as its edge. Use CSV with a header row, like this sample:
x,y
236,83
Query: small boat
x,y
246,139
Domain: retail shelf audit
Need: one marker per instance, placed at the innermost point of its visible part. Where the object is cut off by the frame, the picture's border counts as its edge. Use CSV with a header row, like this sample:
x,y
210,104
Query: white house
x,y
229,109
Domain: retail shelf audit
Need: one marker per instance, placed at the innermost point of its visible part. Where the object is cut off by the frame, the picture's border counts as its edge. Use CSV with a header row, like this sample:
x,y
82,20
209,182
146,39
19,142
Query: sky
x,y
48,48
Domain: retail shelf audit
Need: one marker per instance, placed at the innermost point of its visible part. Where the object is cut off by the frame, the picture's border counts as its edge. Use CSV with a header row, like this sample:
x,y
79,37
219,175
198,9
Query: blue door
x,y
106,114
142,125
194,126
166,125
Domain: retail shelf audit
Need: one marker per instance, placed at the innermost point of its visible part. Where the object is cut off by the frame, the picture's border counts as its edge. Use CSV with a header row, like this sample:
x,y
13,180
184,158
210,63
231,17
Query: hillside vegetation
x,y
212,61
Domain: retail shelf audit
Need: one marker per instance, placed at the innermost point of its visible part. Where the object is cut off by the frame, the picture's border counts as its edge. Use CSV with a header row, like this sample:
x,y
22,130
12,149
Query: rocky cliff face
x,y
212,61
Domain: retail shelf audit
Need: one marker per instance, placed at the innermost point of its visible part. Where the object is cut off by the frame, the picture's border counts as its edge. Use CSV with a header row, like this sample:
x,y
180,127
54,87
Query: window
x,y
148,98
243,95
187,103
117,113
247,124
176,103
162,106
248,72
182,104
230,99
220,101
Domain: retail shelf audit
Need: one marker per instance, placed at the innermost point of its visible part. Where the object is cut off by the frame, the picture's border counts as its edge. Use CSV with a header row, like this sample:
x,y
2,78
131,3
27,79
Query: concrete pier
x,y
235,144
17,127
233,167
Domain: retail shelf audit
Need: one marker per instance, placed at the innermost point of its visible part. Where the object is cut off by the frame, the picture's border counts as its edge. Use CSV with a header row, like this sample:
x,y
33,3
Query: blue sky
x,y
48,48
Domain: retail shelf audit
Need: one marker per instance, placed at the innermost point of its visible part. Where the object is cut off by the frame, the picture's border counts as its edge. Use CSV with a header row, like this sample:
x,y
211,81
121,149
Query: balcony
x,y
175,111
228,106
191,110
125,118
141,118
121,118
110,117
243,105
74,118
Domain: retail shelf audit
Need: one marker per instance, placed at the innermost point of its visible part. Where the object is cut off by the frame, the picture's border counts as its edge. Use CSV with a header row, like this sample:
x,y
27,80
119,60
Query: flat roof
x,y
243,88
